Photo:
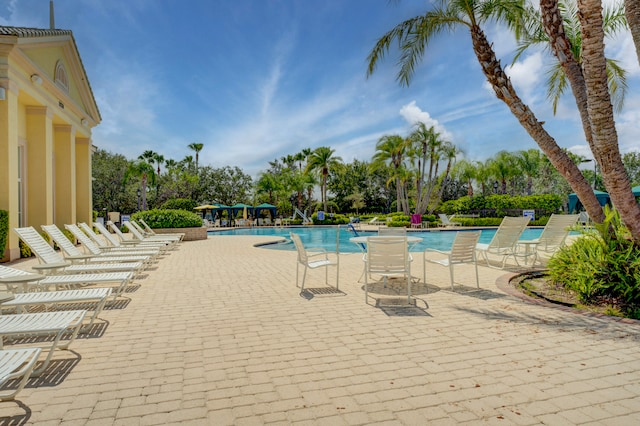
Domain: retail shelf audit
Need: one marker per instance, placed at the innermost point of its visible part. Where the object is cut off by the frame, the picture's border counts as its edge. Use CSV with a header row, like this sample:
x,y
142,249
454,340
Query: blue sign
x,y
531,214
320,215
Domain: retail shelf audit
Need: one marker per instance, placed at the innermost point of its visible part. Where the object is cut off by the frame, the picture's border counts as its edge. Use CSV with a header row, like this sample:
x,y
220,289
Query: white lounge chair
x,y
161,245
446,221
462,251
72,252
18,281
150,230
94,249
52,262
14,364
312,258
108,242
505,240
553,235
56,324
146,234
387,256
172,241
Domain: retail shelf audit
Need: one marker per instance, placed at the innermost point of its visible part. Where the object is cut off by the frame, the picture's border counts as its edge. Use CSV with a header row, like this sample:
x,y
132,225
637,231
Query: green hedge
x,y
337,219
159,218
549,203
4,230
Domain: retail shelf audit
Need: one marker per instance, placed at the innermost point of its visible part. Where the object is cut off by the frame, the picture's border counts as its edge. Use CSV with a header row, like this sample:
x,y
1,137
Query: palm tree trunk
x,y
601,112
632,13
505,92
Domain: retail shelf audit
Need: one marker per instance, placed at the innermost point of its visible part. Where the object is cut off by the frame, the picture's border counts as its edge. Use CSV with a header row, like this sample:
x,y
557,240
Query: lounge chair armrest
x,y
48,267
437,251
80,257
22,278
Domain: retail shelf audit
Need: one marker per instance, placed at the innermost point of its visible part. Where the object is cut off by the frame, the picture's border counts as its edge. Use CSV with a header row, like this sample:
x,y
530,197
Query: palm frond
x,y
616,78
556,84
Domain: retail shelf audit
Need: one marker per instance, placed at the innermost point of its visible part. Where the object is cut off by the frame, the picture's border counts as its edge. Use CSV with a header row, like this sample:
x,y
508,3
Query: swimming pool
x,y
325,236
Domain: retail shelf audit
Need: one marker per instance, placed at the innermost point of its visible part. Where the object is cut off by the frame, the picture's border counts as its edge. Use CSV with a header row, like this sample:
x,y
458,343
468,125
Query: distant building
x,y
47,111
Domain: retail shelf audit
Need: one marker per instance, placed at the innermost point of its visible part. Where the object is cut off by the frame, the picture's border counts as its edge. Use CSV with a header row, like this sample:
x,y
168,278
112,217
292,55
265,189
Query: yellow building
x,y
47,111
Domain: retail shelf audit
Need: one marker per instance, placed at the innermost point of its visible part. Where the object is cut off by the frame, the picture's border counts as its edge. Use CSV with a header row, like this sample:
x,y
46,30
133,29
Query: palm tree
x,y
321,160
414,35
450,152
632,12
267,184
147,175
159,159
529,163
197,147
171,165
503,168
560,72
391,151
466,171
426,147
605,136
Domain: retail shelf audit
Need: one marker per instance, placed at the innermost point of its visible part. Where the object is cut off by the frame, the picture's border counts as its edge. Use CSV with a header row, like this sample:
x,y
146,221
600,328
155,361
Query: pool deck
x,y
218,334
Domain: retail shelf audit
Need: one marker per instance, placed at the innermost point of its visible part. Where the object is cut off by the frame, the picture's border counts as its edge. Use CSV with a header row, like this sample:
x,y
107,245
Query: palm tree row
x,y
584,64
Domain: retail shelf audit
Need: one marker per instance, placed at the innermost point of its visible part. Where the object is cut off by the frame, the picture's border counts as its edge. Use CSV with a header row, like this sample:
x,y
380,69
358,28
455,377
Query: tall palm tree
x,y
197,147
159,159
529,164
426,147
632,12
391,151
503,168
144,171
449,152
569,42
414,35
465,171
605,136
321,160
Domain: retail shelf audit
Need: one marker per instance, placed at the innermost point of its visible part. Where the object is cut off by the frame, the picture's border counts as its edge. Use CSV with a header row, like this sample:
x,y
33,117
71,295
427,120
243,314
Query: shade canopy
x,y
265,206
575,204
240,207
205,207
636,191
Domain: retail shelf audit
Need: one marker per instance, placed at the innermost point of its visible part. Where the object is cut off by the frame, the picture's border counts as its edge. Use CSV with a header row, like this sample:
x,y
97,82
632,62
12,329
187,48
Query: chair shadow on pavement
x,y
311,292
478,293
15,419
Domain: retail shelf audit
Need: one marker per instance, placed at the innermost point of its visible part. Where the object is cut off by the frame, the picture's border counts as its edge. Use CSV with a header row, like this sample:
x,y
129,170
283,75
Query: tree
x,y
605,136
321,160
391,151
414,35
196,147
569,42
108,171
631,162
529,164
147,175
465,171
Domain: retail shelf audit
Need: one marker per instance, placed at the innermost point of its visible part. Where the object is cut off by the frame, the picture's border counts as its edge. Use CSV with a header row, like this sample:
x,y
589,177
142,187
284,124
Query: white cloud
x,y
414,115
525,75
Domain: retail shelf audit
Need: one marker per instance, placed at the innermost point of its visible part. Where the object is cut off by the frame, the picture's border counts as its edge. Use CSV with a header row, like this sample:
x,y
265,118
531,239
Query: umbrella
x,y
205,207
244,213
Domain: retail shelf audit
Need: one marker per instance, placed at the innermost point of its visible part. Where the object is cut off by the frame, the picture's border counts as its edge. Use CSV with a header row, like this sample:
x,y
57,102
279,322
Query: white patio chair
x,y
388,257
312,258
505,240
14,364
53,262
462,251
55,324
446,221
553,235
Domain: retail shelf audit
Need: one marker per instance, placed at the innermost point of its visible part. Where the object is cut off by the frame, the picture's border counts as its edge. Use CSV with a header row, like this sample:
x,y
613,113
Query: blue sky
x,y
254,80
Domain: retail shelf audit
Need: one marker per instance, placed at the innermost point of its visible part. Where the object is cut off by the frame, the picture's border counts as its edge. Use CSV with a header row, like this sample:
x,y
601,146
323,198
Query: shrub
x,y
158,218
179,204
337,219
4,230
601,265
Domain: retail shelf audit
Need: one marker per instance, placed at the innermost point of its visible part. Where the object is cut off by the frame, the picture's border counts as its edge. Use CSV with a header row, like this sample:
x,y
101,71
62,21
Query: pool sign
x,y
320,215
531,214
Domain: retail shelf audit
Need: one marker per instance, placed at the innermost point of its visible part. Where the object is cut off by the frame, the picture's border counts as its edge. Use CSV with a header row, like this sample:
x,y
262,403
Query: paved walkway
x,y
218,334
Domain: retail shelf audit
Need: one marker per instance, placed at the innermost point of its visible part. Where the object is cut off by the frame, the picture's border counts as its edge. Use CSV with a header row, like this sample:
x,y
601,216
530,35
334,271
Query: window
x,y
61,78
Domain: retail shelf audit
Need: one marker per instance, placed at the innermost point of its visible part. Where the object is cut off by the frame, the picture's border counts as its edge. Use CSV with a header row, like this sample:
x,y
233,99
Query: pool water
x,y
325,237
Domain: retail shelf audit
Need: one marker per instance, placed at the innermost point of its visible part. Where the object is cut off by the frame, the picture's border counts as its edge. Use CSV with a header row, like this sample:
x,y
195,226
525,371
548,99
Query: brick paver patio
x,y
218,334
